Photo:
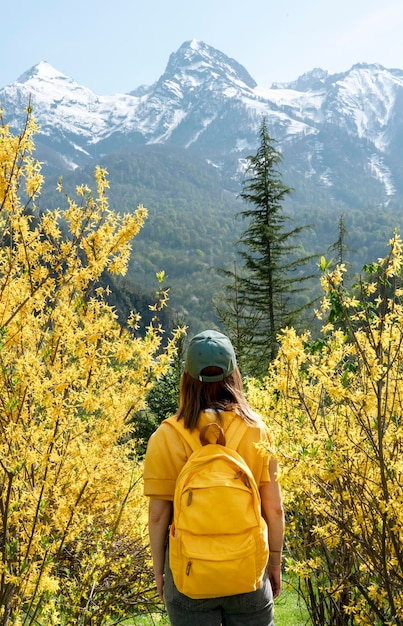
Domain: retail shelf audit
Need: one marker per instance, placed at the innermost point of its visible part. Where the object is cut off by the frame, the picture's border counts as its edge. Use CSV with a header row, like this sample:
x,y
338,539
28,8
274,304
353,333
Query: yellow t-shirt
x,y
167,452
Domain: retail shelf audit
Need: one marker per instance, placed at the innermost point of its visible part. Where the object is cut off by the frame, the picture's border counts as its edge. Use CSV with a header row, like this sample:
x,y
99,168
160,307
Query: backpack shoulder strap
x,y
190,438
235,432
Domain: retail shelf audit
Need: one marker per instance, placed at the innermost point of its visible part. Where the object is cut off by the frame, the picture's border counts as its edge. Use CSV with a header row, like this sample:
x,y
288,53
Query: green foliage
x,y
190,230
238,320
194,222
162,400
340,247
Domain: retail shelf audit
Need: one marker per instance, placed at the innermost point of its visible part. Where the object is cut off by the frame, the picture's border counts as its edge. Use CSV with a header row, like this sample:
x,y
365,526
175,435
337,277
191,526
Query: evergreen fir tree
x,y
269,282
339,246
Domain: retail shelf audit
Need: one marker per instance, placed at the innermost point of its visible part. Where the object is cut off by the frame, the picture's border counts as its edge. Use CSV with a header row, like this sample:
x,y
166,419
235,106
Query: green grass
x,y
288,611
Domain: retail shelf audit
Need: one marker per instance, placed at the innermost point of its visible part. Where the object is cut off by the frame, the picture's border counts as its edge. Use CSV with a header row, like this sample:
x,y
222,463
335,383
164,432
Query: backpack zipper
x,y
200,464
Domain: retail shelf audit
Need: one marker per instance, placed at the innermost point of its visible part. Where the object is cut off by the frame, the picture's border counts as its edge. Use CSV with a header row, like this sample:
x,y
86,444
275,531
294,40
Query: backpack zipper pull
x,y
189,565
244,478
190,496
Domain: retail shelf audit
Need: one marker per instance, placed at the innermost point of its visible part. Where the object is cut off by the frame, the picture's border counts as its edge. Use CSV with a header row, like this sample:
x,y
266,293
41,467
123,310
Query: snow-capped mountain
x,y
340,134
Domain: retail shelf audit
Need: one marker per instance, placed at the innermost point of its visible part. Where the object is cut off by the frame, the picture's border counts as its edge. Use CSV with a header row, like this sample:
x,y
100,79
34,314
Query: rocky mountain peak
x,y
198,58
310,81
42,71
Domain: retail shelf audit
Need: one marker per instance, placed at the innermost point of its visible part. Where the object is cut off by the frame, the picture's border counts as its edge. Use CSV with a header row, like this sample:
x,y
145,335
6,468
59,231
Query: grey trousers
x,y
245,609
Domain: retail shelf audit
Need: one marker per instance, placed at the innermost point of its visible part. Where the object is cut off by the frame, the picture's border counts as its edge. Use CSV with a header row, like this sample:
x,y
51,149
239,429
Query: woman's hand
x,y
159,580
274,574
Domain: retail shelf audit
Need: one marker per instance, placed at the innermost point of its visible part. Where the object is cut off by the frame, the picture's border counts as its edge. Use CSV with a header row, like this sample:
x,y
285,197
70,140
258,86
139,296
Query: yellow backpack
x,y
218,540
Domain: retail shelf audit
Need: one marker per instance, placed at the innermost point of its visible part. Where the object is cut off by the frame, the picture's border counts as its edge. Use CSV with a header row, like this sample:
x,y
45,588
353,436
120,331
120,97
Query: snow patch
x,y
382,173
326,178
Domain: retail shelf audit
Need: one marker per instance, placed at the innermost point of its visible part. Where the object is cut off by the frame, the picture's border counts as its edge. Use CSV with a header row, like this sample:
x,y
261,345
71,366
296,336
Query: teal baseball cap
x,y
210,349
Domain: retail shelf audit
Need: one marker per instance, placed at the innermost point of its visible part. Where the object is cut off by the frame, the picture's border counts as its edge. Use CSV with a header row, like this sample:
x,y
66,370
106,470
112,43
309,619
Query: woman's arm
x,y
159,518
273,512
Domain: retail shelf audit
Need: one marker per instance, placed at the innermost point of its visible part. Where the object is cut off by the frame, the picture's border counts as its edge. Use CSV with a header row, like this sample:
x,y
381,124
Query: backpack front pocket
x,y
230,568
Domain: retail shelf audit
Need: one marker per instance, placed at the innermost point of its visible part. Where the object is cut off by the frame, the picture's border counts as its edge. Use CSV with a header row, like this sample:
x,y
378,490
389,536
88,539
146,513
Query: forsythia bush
x,y
336,406
71,512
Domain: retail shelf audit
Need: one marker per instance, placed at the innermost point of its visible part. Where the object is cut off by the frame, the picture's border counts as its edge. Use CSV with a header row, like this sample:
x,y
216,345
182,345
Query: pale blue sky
x,y
117,46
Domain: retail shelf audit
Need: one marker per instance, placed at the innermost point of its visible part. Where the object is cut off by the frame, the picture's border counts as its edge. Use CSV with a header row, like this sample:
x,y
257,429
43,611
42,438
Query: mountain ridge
x,y
209,103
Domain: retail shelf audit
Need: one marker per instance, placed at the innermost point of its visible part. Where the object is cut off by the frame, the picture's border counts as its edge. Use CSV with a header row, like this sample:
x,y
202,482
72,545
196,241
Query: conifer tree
x,y
339,247
269,282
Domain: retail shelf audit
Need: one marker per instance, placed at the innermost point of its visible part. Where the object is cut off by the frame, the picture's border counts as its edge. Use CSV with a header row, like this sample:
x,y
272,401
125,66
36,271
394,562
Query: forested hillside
x,y
190,231
193,225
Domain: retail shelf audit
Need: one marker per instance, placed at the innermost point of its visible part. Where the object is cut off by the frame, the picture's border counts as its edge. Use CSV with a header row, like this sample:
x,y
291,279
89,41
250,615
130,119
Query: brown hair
x,y
196,396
